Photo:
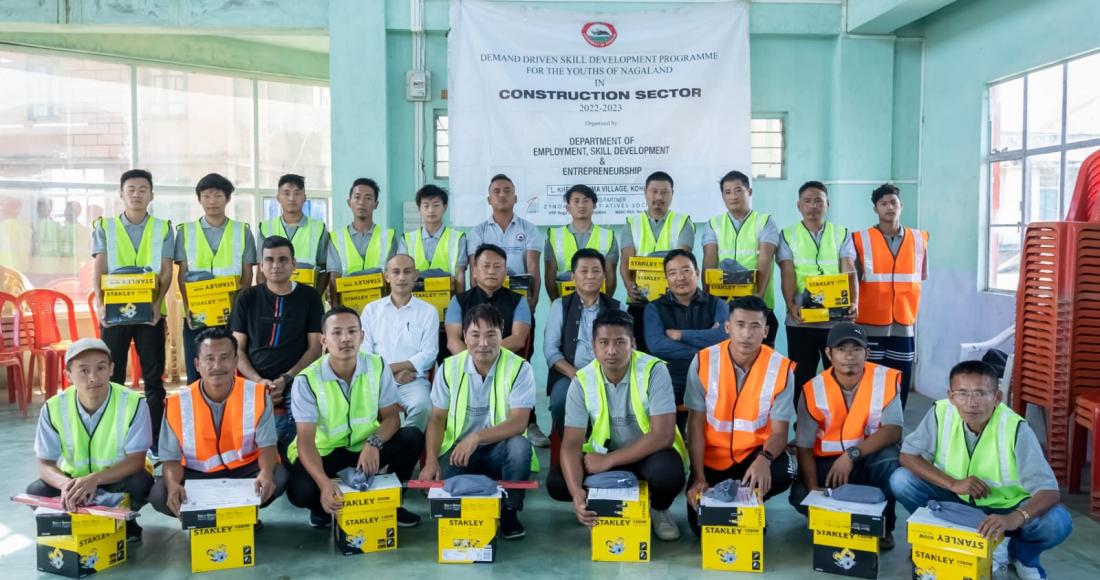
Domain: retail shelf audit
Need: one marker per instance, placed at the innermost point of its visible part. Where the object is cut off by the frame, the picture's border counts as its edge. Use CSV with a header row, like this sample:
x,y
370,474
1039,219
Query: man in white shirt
x,y
404,331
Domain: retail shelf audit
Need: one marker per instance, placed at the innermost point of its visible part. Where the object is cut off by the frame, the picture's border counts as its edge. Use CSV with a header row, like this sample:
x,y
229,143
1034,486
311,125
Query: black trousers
x,y
158,497
400,454
663,470
637,311
806,347
137,485
149,342
782,471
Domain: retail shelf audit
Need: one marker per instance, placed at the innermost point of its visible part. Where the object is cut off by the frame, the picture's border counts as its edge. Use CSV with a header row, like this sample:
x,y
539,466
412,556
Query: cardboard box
x,y
925,529
218,517
836,539
746,512
443,505
826,298
78,556
209,301
827,513
467,540
223,548
363,532
519,283
649,275
143,281
435,291
307,276
729,284
618,539
939,564
384,493
51,522
733,548
632,502
845,561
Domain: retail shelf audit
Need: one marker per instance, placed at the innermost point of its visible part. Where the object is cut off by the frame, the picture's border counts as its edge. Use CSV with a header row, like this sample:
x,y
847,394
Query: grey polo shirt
x,y
214,239
784,254
135,232
139,437
686,237
304,404
318,259
520,237
806,427
612,255
431,242
266,436
1035,473
360,240
695,397
477,402
624,424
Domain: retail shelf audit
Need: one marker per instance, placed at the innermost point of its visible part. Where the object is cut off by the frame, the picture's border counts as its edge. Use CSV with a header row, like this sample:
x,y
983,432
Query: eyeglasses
x,y
971,395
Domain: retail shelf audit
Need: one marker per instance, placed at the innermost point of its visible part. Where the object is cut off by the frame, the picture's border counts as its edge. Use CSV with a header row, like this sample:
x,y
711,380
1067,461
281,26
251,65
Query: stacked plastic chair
x,y
1057,327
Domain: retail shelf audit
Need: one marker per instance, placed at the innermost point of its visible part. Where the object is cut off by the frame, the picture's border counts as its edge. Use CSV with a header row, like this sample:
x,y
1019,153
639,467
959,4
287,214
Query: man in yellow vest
x,y
93,436
481,399
563,242
740,400
652,233
971,448
812,247
219,427
309,236
620,414
347,415
135,241
743,239
201,255
892,261
849,424
362,247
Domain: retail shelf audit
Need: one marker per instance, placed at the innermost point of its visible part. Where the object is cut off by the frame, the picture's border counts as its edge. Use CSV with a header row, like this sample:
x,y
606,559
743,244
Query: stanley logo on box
x,y
363,501
57,558
730,530
844,559
205,531
953,540
362,521
934,556
92,539
614,522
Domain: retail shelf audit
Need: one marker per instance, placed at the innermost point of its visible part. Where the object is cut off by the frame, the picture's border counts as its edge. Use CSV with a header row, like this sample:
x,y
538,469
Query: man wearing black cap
x,y
849,423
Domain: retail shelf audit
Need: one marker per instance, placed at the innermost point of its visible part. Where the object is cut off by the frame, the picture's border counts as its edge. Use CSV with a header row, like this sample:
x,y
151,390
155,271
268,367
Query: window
x,y
768,147
442,152
1042,125
70,126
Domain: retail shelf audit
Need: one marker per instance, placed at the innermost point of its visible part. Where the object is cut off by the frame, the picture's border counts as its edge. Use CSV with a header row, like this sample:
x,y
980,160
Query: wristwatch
x,y
288,379
853,453
767,455
375,441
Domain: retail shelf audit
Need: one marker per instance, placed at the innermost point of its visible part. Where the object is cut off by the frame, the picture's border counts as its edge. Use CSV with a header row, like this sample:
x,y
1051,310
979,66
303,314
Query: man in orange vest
x,y
891,261
849,424
220,426
740,403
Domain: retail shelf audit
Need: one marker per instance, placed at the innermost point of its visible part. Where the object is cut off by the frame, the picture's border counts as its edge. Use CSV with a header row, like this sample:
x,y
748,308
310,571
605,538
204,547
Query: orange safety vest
x,y
890,288
840,427
205,448
737,424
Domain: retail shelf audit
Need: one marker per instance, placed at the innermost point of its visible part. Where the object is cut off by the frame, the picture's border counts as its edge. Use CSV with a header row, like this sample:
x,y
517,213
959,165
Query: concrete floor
x,y
555,546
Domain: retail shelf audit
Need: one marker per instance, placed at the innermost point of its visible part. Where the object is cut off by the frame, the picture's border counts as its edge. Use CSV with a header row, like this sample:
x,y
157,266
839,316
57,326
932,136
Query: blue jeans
x,y
507,460
1024,545
286,429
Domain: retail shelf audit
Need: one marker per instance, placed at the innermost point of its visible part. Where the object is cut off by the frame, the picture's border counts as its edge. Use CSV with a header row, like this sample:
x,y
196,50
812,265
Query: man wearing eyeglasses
x,y
973,449
849,424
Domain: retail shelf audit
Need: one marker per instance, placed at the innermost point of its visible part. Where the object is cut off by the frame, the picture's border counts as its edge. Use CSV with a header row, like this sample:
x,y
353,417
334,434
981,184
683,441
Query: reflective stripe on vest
x,y
993,460
890,286
120,249
840,427
81,453
227,261
811,258
305,244
591,380
205,448
564,244
378,249
644,243
344,421
446,255
747,254
505,372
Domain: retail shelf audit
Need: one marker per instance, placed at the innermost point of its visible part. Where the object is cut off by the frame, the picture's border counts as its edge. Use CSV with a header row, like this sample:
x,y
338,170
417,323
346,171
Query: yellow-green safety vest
x,y
993,460
747,253
645,244
811,258
455,377
83,453
305,241
564,244
229,258
378,249
591,381
343,421
147,256
446,255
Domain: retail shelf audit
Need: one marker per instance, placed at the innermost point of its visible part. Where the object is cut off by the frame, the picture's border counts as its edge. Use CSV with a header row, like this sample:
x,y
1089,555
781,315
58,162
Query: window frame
x,y
770,116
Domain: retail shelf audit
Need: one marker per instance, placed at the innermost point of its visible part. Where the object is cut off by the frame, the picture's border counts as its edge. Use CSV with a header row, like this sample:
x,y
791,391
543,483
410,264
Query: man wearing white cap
x,y
94,436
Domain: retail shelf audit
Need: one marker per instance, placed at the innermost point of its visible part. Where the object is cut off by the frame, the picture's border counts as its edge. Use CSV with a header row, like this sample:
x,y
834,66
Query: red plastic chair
x,y
11,357
135,363
46,339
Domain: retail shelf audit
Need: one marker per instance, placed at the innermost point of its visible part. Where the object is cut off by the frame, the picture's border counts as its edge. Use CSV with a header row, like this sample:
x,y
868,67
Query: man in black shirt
x,y
277,325
490,268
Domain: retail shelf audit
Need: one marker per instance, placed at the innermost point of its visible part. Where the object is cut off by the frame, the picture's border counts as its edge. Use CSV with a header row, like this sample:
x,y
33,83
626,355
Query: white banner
x,y
553,98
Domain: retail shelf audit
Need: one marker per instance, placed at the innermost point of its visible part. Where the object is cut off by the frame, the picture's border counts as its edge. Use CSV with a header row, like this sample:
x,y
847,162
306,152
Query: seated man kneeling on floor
x,y
481,399
93,436
626,397
219,427
971,448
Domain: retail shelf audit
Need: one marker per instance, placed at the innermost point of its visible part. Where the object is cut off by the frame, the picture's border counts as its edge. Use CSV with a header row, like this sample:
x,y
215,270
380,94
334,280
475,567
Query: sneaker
x,y
510,526
1029,573
1000,557
406,519
664,526
133,532
536,436
319,519
887,543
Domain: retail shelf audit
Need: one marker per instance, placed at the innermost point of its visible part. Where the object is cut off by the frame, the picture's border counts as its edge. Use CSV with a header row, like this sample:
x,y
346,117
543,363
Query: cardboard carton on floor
x,y
732,548
629,502
827,513
467,540
622,532
846,535
221,515
946,551
77,556
747,511
363,532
